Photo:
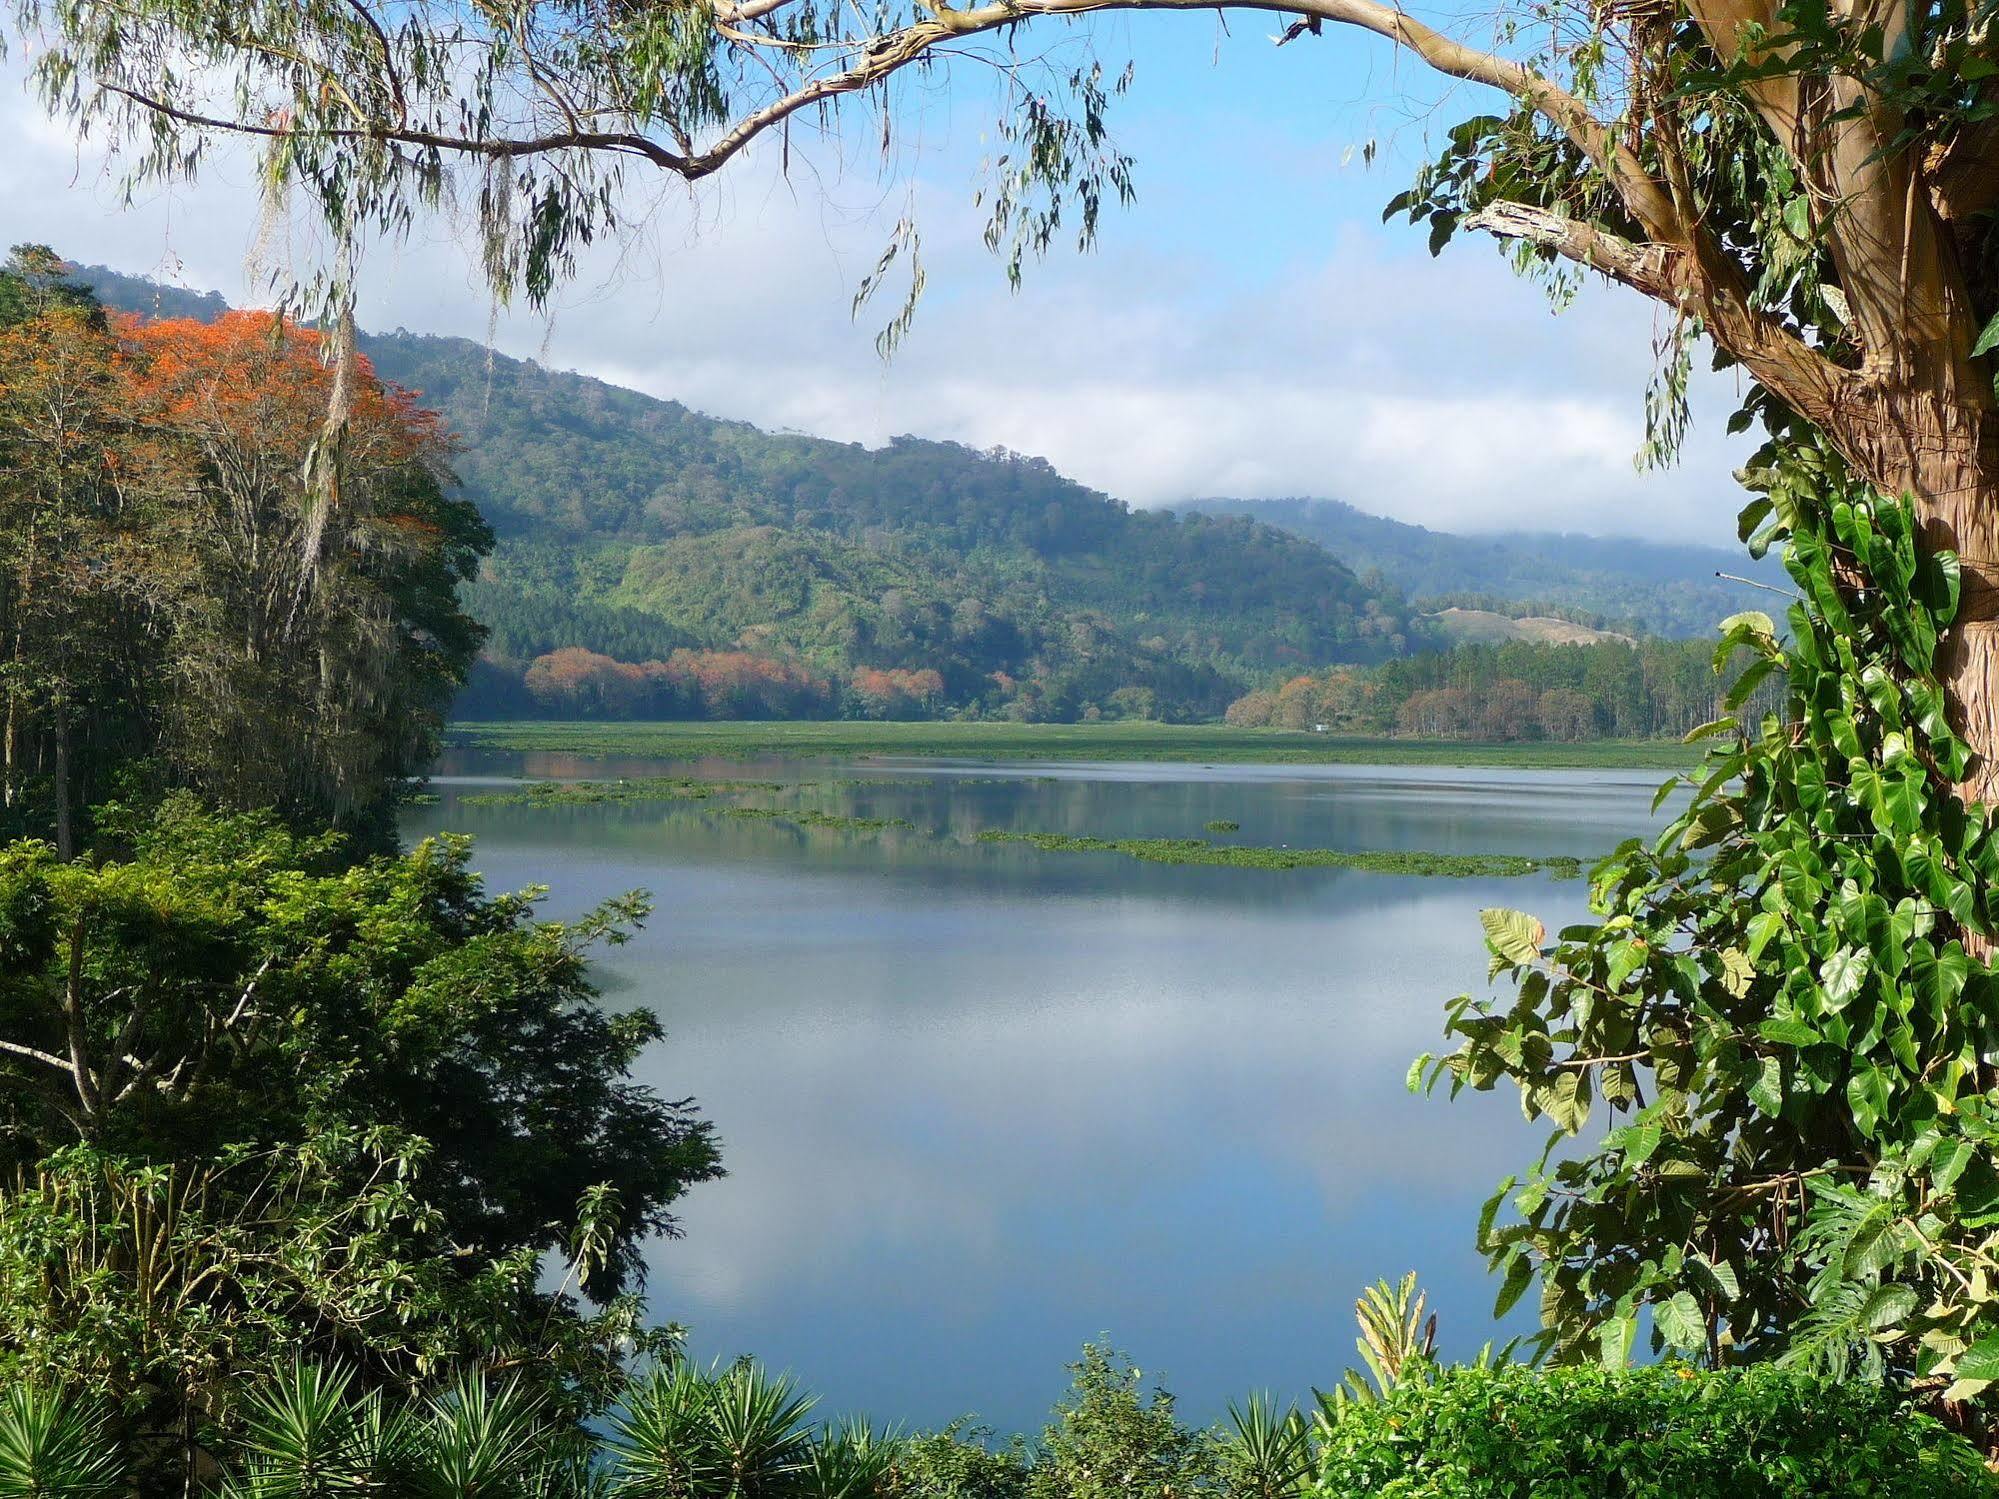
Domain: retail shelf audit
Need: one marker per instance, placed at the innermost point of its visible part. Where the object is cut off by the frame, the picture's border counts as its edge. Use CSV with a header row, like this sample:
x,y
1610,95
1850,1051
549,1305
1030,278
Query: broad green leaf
x,y
1767,1092
1980,1361
1640,1141
1940,976
1513,935
1519,1276
1680,1322
1867,1096
1763,926
1948,1162
1626,958
1720,1276
1788,1033
1887,1306
1842,974
1614,1341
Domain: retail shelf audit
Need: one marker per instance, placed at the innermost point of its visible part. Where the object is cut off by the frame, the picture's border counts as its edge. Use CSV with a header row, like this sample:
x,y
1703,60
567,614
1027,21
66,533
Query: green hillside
x,y
641,531
1639,587
634,527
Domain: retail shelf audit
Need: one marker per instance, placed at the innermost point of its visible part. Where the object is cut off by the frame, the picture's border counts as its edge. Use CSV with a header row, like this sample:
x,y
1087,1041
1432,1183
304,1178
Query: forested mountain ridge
x,y
634,528
1021,588
1645,587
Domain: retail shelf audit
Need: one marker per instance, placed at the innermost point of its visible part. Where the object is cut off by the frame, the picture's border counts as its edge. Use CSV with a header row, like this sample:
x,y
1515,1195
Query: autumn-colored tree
x,y
332,612
577,683
177,593
890,693
743,684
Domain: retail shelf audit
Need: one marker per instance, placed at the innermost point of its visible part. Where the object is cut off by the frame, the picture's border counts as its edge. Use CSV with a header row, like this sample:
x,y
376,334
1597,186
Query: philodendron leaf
x,y
1842,974
1513,935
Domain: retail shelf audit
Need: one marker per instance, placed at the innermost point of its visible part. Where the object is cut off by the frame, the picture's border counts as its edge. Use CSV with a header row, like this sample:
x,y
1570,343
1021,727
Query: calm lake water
x,y
980,1103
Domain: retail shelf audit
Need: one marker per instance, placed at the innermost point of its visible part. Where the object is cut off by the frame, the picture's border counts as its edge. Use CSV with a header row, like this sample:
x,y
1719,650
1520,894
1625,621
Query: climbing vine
x,y
1773,1018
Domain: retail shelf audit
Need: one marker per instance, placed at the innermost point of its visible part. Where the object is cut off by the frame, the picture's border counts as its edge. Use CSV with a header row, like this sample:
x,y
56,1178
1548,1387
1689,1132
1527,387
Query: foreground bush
x,y
737,1432
1652,1433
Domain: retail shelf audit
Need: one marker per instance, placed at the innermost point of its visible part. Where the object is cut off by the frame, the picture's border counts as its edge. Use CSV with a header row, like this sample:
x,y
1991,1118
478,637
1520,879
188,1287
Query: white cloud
x,y
1440,392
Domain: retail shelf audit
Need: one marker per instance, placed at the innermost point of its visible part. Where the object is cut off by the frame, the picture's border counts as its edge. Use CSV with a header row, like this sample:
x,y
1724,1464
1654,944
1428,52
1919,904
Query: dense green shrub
x,y
962,1461
738,1432
1648,1433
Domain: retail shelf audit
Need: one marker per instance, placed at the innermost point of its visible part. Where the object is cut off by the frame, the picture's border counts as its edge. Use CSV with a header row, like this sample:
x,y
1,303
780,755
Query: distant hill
x,y
1639,587
838,576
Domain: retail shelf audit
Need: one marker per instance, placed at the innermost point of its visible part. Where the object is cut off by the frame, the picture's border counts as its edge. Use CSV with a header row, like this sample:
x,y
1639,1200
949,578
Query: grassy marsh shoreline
x,y
1172,743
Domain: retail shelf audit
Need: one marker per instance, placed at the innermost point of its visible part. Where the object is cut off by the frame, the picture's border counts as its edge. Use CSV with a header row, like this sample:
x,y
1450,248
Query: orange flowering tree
x,y
157,495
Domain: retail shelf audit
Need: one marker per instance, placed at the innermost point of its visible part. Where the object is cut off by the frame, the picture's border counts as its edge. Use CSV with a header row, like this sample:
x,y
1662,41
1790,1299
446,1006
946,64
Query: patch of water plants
x,y
807,818
1134,740
1236,856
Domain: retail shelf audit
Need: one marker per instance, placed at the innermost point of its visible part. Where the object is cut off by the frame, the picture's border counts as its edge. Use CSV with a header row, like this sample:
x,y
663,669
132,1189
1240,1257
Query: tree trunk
x,y
65,829
1946,455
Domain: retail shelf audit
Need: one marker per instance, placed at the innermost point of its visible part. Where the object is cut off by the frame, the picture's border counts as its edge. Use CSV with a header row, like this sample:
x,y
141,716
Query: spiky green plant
x,y
1271,1455
850,1460
304,1437
55,1446
729,1433
479,1440
757,1423
658,1441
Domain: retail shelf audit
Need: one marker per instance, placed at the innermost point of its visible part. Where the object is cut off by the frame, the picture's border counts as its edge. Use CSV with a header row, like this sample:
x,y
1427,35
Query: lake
x,y
980,1102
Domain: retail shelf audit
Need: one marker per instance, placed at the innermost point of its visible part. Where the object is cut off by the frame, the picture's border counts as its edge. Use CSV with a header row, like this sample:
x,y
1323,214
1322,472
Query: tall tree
x,y
81,592
333,613
172,586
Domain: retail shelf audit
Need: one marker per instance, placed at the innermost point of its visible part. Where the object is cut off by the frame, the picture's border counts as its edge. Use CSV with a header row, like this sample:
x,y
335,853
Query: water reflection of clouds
x,y
976,1109
1100,1095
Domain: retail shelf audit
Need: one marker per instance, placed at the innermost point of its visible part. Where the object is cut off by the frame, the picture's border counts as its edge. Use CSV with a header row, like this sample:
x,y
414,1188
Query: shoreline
x,y
1136,742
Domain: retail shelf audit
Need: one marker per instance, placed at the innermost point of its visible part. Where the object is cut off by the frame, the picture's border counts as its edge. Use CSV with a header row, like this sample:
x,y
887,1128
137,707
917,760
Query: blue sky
x,y
1250,327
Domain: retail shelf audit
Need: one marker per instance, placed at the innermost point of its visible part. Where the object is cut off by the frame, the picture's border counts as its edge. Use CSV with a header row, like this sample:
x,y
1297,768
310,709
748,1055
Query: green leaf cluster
x,y
1775,1014
1661,1432
259,1098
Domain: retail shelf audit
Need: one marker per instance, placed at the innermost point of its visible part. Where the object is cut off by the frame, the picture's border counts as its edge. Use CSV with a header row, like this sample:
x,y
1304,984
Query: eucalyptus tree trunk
x,y
1946,455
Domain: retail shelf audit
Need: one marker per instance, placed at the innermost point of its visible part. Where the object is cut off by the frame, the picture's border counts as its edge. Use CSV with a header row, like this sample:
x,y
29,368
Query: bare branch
x,y
628,143
35,1053
1644,268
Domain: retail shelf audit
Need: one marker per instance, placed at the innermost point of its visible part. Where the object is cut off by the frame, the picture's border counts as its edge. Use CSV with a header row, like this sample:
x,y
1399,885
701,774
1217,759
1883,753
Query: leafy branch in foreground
x,y
253,1101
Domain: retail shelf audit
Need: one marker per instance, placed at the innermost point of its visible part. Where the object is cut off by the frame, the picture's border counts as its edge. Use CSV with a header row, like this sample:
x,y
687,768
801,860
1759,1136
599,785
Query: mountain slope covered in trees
x,y
655,560
1642,587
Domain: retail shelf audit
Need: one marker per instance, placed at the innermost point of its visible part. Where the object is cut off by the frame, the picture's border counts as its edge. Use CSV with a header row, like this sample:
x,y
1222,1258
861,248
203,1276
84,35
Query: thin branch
x,y
36,1053
627,143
